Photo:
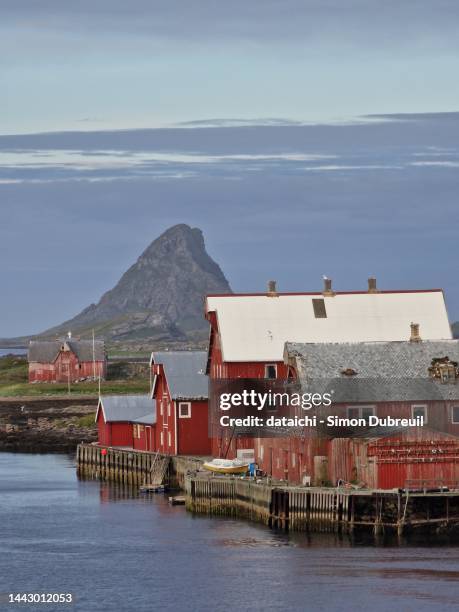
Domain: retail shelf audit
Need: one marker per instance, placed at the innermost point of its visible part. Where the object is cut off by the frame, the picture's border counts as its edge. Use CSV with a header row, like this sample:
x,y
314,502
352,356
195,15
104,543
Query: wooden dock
x,y
147,470
318,509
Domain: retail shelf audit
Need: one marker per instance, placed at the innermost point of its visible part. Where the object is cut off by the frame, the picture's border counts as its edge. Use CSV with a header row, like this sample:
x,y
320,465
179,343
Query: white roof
x,y
256,327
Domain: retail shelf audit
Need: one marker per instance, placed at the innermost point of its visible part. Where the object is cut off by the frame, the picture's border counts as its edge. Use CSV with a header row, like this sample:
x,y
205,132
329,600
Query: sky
x,y
304,138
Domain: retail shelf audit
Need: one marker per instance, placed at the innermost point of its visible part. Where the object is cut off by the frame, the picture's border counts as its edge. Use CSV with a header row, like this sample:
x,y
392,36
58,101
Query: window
x,y
455,415
184,410
168,409
262,452
419,410
162,438
169,438
360,412
161,407
293,460
318,305
135,431
271,370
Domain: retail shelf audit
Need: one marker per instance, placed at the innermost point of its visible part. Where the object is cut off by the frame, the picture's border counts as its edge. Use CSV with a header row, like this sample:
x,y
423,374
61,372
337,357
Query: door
x,y
147,438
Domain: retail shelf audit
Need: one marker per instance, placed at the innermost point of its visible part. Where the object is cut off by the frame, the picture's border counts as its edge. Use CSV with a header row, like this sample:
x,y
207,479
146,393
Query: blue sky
x,y
111,64
261,138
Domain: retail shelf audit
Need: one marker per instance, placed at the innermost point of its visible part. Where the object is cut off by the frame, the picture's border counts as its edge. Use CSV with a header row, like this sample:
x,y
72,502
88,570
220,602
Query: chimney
x,y
328,291
372,285
415,337
272,291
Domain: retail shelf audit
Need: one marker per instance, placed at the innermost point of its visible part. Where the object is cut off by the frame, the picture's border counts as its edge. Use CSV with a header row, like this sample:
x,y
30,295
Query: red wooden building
x,y
127,421
180,388
249,331
370,381
66,360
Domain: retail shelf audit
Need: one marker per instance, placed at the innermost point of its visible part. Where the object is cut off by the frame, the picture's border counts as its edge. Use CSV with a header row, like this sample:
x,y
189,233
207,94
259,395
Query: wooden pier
x,y
317,509
122,465
149,470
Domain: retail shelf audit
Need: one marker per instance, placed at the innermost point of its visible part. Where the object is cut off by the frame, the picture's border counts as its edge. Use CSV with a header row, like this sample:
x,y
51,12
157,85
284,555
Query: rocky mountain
x,y
160,297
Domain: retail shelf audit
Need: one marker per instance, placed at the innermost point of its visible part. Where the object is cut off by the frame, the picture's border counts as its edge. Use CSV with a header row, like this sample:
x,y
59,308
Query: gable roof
x,y
46,351
382,371
185,373
127,408
255,327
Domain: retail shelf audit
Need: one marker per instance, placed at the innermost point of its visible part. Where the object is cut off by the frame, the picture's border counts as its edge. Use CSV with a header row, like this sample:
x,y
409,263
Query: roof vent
x,y
272,291
328,291
415,337
372,285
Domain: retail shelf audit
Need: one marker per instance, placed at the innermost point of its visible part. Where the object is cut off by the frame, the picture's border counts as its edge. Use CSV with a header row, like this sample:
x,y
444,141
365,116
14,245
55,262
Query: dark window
x,y
455,414
419,411
271,371
319,308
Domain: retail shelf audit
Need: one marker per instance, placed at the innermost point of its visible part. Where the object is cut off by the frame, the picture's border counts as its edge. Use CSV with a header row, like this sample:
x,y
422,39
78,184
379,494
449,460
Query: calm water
x,y
122,553
13,351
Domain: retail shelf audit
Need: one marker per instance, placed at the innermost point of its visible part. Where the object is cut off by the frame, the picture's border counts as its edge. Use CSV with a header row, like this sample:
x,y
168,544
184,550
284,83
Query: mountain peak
x,y
160,296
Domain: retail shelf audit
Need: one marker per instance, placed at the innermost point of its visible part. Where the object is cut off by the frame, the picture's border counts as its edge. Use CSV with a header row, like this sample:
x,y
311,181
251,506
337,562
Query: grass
x,y
86,421
13,383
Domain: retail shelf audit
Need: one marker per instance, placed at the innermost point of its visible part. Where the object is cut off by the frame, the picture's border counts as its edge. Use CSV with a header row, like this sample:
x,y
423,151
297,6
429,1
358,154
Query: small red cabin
x,y
127,420
180,388
66,360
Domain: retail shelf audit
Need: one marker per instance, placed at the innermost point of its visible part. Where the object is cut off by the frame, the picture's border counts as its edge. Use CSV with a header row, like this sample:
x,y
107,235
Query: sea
x,y
12,351
111,548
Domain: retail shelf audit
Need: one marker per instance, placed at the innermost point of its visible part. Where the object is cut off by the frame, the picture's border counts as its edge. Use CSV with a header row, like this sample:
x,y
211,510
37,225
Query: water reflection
x,y
116,549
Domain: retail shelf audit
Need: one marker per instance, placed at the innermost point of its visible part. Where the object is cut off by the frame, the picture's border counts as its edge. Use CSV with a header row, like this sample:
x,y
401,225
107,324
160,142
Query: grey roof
x,y
385,371
46,351
128,408
185,373
146,419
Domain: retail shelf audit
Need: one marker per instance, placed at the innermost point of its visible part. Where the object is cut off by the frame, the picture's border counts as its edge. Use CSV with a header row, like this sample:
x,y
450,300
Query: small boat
x,y
226,466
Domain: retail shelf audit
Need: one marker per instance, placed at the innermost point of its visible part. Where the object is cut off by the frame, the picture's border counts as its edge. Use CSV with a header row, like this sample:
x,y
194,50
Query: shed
x,y
127,420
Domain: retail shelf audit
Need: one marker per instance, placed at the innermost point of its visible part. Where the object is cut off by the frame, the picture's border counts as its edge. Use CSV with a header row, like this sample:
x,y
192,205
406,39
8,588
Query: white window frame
x,y
168,409
161,407
161,437
188,412
169,439
270,365
360,408
452,415
416,406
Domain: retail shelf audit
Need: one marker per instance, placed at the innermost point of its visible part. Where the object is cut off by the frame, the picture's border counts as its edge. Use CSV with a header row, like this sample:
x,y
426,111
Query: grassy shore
x,y
13,383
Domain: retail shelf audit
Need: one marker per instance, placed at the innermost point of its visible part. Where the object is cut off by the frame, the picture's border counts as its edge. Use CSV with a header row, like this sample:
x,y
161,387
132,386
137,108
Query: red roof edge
x,y
229,295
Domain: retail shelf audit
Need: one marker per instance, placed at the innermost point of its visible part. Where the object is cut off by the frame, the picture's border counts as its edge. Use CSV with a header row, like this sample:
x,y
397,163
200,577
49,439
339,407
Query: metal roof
x,y
185,373
383,371
46,351
127,408
255,327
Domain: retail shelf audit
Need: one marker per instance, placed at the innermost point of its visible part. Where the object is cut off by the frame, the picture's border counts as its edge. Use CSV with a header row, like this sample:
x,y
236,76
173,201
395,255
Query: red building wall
x,y
114,434
193,436
174,434
147,438
294,457
66,366
165,414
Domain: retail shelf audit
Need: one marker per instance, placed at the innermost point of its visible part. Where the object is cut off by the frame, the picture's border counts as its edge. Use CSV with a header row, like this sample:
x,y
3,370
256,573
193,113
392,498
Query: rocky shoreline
x,y
46,425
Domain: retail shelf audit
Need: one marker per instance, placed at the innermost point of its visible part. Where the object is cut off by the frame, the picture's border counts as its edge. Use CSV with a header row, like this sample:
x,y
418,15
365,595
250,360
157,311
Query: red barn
x,y
374,384
66,360
180,388
127,420
249,331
